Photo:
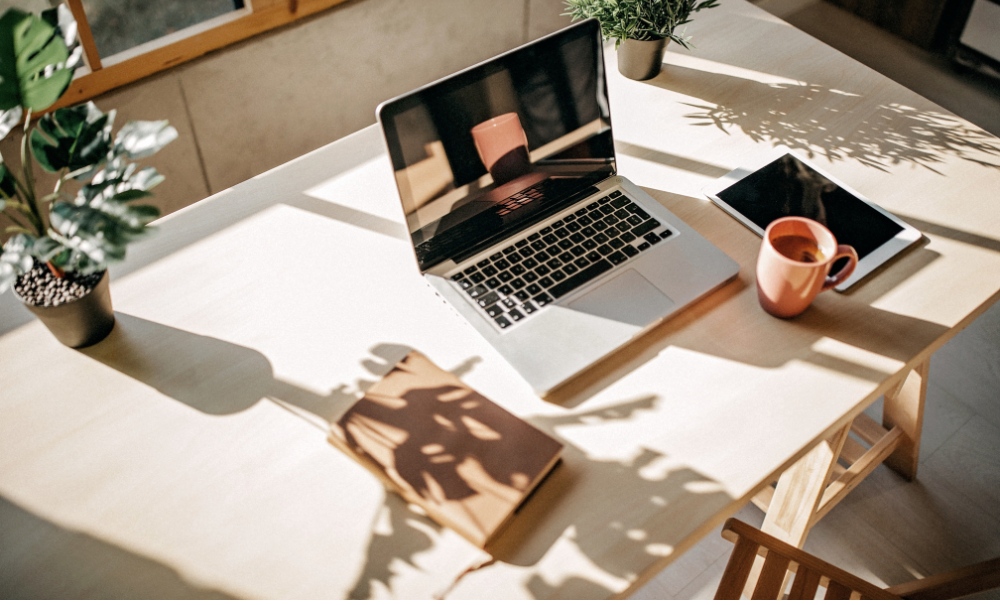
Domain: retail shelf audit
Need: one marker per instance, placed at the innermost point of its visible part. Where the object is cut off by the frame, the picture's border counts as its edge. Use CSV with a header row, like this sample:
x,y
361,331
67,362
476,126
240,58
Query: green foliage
x,y
639,19
85,231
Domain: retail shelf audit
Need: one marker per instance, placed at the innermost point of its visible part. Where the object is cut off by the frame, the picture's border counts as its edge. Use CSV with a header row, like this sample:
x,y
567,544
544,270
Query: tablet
x,y
791,186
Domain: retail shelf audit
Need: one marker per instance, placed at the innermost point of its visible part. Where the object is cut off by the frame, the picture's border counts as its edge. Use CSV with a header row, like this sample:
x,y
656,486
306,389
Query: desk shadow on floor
x,y
65,564
804,116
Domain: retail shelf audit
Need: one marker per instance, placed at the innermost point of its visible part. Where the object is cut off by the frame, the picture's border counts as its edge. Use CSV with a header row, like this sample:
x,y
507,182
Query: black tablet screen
x,y
789,187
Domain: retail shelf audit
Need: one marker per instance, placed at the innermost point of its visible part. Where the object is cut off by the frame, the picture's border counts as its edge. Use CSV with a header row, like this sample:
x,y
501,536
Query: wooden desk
x,y
186,455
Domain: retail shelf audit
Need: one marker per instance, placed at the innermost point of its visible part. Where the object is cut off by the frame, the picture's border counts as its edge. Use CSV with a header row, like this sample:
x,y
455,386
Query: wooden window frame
x,y
260,16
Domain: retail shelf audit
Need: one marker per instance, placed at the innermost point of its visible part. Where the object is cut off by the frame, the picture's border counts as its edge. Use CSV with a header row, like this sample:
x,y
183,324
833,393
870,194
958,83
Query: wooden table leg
x,y
904,408
800,488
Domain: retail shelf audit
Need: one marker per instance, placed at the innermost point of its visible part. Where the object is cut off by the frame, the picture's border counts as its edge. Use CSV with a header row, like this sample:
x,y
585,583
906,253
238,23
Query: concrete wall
x,y
253,106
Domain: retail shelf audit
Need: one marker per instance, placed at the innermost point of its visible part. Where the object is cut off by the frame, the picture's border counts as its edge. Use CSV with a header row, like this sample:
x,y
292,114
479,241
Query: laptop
x,y
518,217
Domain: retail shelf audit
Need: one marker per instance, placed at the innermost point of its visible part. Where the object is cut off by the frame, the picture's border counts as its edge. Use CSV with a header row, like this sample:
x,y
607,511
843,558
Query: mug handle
x,y
851,255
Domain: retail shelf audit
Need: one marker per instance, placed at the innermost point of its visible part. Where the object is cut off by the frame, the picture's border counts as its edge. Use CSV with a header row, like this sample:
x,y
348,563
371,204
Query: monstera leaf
x,y
73,138
33,58
97,233
15,259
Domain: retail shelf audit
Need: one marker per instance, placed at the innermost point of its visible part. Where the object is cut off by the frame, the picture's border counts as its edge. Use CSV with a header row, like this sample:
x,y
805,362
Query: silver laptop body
x,y
507,177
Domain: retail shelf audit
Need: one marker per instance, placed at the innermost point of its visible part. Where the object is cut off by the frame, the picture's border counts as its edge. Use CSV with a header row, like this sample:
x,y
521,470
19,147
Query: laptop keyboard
x,y
518,281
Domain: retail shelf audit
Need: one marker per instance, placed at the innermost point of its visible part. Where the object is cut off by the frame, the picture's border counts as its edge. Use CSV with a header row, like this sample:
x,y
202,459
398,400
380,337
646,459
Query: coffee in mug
x,y
794,263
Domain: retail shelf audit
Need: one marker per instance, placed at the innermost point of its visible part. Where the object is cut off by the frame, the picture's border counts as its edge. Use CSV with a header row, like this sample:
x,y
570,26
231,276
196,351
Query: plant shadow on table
x,y
66,564
805,117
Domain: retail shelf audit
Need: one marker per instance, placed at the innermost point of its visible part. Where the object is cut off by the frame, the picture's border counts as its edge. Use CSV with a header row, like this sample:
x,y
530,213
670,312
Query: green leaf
x,y
32,62
139,139
8,186
73,138
9,119
15,259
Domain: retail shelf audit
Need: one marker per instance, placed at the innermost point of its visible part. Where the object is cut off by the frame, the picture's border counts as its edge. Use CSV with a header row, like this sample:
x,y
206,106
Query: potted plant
x,y
641,28
57,246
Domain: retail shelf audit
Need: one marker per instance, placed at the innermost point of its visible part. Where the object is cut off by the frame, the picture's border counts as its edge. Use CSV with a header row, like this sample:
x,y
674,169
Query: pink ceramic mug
x,y
503,147
794,262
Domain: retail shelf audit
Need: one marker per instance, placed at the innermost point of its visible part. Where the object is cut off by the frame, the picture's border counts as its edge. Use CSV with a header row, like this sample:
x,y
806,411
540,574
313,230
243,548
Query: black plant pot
x,y
641,59
82,322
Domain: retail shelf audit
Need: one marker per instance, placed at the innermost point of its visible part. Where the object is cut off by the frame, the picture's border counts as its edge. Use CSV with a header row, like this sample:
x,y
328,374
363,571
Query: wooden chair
x,y
810,573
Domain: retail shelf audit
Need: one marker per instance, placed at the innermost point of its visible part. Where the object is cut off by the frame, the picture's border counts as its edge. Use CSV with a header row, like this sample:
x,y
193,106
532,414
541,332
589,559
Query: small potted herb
x,y
641,28
57,247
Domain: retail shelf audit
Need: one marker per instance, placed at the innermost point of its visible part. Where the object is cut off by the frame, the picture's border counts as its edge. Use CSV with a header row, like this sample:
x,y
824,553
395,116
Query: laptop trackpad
x,y
628,298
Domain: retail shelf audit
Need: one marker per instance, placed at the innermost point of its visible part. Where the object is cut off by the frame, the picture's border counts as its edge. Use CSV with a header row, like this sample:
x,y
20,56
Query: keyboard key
x,y
490,271
616,243
477,291
546,230
580,278
605,249
493,283
618,258
577,251
494,311
558,224
667,233
576,238
565,244
646,227
471,270
652,238
612,220
627,236
558,275
644,246
622,214
584,221
599,226
505,276
502,321
497,256
531,263
508,303
605,199
477,278
516,315
546,282
612,232
555,263
581,262
533,237
522,243
538,245
529,277
517,269
542,300
594,205
588,232
607,211
505,290
542,270
488,300
542,257
566,257
502,264
563,232
517,284
553,250
515,257
634,220
570,269
594,256
466,283
596,215
456,277
630,250
550,239
573,227
600,238
533,289
615,194
528,308
522,296
483,263
508,249
580,212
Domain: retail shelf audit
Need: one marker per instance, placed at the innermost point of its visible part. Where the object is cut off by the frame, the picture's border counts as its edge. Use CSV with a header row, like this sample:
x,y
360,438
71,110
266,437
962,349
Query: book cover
x,y
465,460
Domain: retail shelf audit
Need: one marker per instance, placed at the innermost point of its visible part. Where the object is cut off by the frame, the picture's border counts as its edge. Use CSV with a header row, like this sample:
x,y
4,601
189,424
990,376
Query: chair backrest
x,y
780,559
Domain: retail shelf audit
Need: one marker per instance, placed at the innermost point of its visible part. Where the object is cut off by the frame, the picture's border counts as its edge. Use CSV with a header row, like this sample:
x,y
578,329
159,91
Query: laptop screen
x,y
486,152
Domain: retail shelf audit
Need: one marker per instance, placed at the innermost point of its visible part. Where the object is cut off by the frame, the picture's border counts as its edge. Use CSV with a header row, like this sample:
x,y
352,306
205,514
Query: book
x,y
466,461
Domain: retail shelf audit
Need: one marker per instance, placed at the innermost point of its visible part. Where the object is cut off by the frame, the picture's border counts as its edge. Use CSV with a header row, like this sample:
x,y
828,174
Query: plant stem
x,y
14,219
29,185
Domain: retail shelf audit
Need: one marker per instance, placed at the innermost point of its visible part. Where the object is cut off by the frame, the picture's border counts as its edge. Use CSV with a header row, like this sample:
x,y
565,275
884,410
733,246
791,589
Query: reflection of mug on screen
x,y
503,147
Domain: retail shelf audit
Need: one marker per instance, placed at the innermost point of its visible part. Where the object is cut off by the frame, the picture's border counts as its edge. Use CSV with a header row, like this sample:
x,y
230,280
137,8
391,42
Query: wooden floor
x,y
890,531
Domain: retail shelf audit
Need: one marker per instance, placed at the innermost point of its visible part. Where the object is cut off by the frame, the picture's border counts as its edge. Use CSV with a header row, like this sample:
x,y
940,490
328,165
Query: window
x,y
127,40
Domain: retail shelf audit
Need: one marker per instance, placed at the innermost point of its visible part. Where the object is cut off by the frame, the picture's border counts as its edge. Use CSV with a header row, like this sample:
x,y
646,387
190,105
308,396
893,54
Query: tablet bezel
x,y
875,259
